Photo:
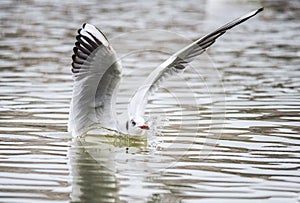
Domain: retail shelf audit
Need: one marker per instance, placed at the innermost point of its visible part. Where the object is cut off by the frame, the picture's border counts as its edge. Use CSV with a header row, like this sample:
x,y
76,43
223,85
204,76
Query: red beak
x,y
144,127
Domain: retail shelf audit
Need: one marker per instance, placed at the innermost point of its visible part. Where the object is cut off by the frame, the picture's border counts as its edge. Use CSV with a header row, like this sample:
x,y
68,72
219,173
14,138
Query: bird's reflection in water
x,y
93,165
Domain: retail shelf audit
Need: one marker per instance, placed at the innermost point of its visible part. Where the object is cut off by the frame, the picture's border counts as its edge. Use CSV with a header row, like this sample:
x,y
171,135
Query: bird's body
x,y
97,73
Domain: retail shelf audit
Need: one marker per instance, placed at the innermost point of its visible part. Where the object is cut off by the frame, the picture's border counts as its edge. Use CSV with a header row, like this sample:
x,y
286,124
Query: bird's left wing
x,y
96,73
177,63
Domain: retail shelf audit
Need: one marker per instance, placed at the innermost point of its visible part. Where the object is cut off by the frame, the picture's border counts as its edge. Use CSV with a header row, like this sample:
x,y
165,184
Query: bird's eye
x,y
133,123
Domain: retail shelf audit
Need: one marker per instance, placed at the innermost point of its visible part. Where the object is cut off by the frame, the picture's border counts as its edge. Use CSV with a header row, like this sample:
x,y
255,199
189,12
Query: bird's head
x,y
136,125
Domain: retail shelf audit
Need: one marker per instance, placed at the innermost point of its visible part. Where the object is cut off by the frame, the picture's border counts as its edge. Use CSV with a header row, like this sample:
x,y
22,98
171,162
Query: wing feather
x,y
96,73
177,63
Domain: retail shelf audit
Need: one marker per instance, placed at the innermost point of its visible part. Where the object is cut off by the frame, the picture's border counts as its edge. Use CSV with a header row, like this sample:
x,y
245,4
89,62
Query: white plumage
x,y
97,72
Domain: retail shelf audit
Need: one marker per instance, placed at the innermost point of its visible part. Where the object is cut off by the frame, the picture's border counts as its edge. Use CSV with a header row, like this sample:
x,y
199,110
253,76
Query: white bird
x,y
97,72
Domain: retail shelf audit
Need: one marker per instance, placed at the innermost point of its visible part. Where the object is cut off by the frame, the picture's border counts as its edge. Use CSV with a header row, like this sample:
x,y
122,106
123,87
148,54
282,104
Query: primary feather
x,y
177,63
96,73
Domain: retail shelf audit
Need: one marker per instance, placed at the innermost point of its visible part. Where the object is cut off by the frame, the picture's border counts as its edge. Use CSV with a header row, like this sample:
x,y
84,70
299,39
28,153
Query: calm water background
x,y
232,133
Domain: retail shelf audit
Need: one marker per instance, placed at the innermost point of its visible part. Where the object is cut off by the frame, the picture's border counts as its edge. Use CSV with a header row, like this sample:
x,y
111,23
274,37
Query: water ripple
x,y
229,132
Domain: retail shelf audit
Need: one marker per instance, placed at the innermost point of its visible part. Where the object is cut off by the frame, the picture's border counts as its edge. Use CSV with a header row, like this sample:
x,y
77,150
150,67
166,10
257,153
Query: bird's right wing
x,y
96,73
177,63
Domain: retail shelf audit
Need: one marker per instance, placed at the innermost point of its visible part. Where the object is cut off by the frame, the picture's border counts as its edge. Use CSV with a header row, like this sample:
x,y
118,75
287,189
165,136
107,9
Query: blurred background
x,y
232,133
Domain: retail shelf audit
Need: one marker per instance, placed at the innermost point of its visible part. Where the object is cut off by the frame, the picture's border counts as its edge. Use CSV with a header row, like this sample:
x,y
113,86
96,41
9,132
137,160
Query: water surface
x,y
232,127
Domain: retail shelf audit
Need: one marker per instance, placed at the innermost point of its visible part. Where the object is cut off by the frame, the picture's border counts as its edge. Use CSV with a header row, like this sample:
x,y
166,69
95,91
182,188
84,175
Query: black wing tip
x,y
84,46
255,12
75,50
84,24
260,9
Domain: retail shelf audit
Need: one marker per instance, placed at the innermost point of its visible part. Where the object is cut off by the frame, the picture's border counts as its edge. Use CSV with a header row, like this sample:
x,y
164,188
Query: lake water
x,y
229,126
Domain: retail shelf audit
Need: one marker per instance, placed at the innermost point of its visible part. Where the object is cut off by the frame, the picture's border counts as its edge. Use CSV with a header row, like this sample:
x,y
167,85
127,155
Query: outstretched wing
x,y
96,74
177,63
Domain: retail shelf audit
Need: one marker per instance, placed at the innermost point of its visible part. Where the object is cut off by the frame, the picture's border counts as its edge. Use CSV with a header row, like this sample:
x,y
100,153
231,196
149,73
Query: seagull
x,y
97,72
